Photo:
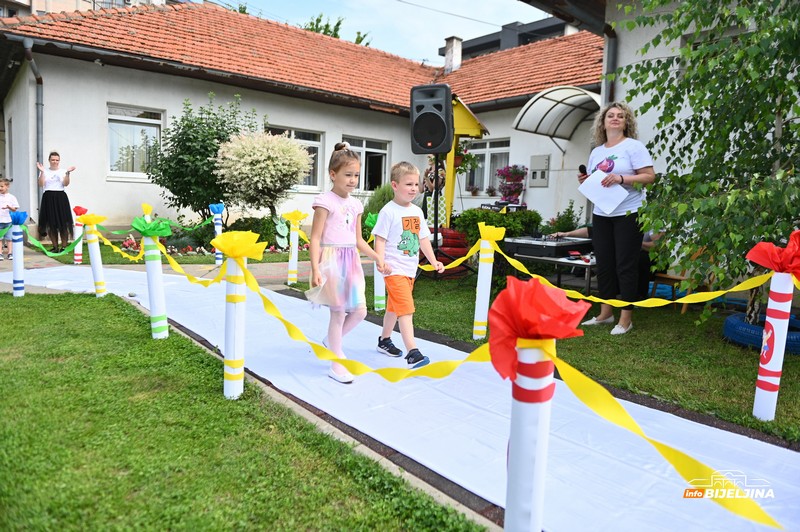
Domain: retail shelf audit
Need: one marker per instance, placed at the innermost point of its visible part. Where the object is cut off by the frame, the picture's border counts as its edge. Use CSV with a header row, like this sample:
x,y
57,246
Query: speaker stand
x,y
435,204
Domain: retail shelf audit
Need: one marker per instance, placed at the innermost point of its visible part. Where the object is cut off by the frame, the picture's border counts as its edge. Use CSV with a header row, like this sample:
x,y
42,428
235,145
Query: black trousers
x,y
617,242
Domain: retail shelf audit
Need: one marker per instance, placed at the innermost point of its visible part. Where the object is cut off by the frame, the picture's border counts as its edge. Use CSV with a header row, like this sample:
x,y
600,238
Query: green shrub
x,y
262,226
194,236
566,220
517,223
380,197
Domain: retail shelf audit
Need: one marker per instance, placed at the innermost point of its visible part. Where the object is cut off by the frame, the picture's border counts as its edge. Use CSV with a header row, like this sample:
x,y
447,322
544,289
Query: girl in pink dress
x,y
337,279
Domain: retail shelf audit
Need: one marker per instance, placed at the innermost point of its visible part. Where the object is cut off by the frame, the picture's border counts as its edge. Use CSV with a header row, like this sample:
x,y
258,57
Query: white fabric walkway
x,y
599,477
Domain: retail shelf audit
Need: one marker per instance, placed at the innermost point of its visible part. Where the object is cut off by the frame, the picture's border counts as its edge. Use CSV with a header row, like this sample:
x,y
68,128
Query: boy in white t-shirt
x,y
8,204
400,233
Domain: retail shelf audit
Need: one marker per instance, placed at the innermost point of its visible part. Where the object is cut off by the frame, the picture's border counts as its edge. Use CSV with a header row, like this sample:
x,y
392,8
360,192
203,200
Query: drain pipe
x,y
27,43
612,45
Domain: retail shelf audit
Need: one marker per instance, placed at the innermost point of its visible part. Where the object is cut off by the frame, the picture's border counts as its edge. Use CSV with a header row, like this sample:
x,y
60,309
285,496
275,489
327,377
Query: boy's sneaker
x,y
1,256
386,347
10,256
416,359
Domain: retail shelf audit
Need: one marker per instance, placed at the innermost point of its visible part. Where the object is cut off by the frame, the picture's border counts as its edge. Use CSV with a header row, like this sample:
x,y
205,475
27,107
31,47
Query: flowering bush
x,y
514,173
258,170
129,244
464,160
512,181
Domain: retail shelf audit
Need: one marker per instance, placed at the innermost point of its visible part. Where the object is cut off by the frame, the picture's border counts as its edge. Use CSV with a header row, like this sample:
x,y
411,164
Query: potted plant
x,y
491,191
464,161
472,189
512,182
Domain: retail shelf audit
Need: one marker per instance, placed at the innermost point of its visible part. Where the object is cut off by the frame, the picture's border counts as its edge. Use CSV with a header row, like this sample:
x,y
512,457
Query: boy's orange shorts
x,y
399,288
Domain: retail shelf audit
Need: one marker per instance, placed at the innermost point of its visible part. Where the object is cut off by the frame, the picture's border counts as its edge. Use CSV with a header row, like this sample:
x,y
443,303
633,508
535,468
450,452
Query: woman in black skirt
x,y
55,216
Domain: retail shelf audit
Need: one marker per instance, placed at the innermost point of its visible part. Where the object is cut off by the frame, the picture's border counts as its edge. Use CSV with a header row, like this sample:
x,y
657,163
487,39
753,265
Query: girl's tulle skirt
x,y
343,283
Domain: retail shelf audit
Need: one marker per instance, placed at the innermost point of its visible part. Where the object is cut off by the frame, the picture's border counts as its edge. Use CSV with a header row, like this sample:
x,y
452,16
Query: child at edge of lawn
x,y
337,278
400,232
8,204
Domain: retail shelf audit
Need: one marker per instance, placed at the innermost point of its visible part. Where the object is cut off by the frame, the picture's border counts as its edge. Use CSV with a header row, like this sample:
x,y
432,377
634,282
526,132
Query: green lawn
x,y
103,428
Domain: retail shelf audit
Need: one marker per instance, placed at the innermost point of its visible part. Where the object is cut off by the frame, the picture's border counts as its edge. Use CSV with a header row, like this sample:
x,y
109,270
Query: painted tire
x,y
740,332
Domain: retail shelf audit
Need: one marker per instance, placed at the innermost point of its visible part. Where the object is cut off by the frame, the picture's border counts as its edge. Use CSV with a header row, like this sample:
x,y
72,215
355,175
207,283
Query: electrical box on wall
x,y
540,171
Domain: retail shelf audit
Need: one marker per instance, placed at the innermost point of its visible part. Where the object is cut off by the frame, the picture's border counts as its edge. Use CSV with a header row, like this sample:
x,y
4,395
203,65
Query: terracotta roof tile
x,y
209,37
575,59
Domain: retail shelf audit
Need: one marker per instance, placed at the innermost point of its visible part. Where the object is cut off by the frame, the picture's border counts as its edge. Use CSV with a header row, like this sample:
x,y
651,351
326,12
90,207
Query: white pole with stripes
x,y
379,291
483,290
773,346
235,298
77,252
531,407
293,253
217,232
93,243
18,250
159,326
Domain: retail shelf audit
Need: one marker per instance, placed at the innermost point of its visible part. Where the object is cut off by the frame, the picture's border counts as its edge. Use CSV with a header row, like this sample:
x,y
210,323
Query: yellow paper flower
x,y
239,244
490,232
147,209
295,216
91,219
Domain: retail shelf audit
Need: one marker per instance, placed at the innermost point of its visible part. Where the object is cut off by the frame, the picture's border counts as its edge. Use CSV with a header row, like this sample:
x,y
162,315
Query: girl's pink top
x,y
340,227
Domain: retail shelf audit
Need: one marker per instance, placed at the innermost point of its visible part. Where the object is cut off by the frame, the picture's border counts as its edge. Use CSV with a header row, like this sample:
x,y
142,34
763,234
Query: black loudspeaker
x,y
431,119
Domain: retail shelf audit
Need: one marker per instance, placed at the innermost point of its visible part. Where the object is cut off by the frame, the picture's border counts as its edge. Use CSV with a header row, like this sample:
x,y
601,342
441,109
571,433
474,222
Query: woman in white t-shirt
x,y
617,236
55,216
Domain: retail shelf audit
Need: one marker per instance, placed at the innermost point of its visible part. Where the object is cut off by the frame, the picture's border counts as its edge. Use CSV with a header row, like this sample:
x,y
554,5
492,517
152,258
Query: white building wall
x,y
19,107
563,183
84,89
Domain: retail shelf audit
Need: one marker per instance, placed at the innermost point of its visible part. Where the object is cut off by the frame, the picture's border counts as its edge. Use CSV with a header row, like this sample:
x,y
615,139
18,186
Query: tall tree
x,y
185,160
317,26
727,104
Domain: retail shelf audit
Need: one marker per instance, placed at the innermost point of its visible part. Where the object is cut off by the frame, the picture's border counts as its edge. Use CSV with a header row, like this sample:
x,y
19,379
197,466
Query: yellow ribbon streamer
x,y
93,231
493,234
605,405
698,297
191,278
435,370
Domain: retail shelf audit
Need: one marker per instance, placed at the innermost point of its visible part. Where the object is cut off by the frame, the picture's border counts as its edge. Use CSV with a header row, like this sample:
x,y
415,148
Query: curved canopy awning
x,y
557,112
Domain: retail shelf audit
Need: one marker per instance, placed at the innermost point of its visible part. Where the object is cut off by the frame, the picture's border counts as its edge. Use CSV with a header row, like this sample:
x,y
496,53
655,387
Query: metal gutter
x,y
27,44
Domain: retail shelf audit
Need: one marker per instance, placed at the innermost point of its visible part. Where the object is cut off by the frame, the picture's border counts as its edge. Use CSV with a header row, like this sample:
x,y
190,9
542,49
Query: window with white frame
x,y
496,152
373,154
312,141
131,130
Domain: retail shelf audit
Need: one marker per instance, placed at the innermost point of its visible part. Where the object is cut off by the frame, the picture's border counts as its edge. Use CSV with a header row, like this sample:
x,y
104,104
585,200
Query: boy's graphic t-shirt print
x,y
409,238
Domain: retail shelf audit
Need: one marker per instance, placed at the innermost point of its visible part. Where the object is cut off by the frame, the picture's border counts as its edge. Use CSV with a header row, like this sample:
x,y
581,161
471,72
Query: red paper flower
x,y
785,260
80,211
532,311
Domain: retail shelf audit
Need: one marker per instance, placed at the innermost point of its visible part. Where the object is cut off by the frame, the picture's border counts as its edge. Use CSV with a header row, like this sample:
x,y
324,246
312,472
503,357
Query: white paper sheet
x,y
606,198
